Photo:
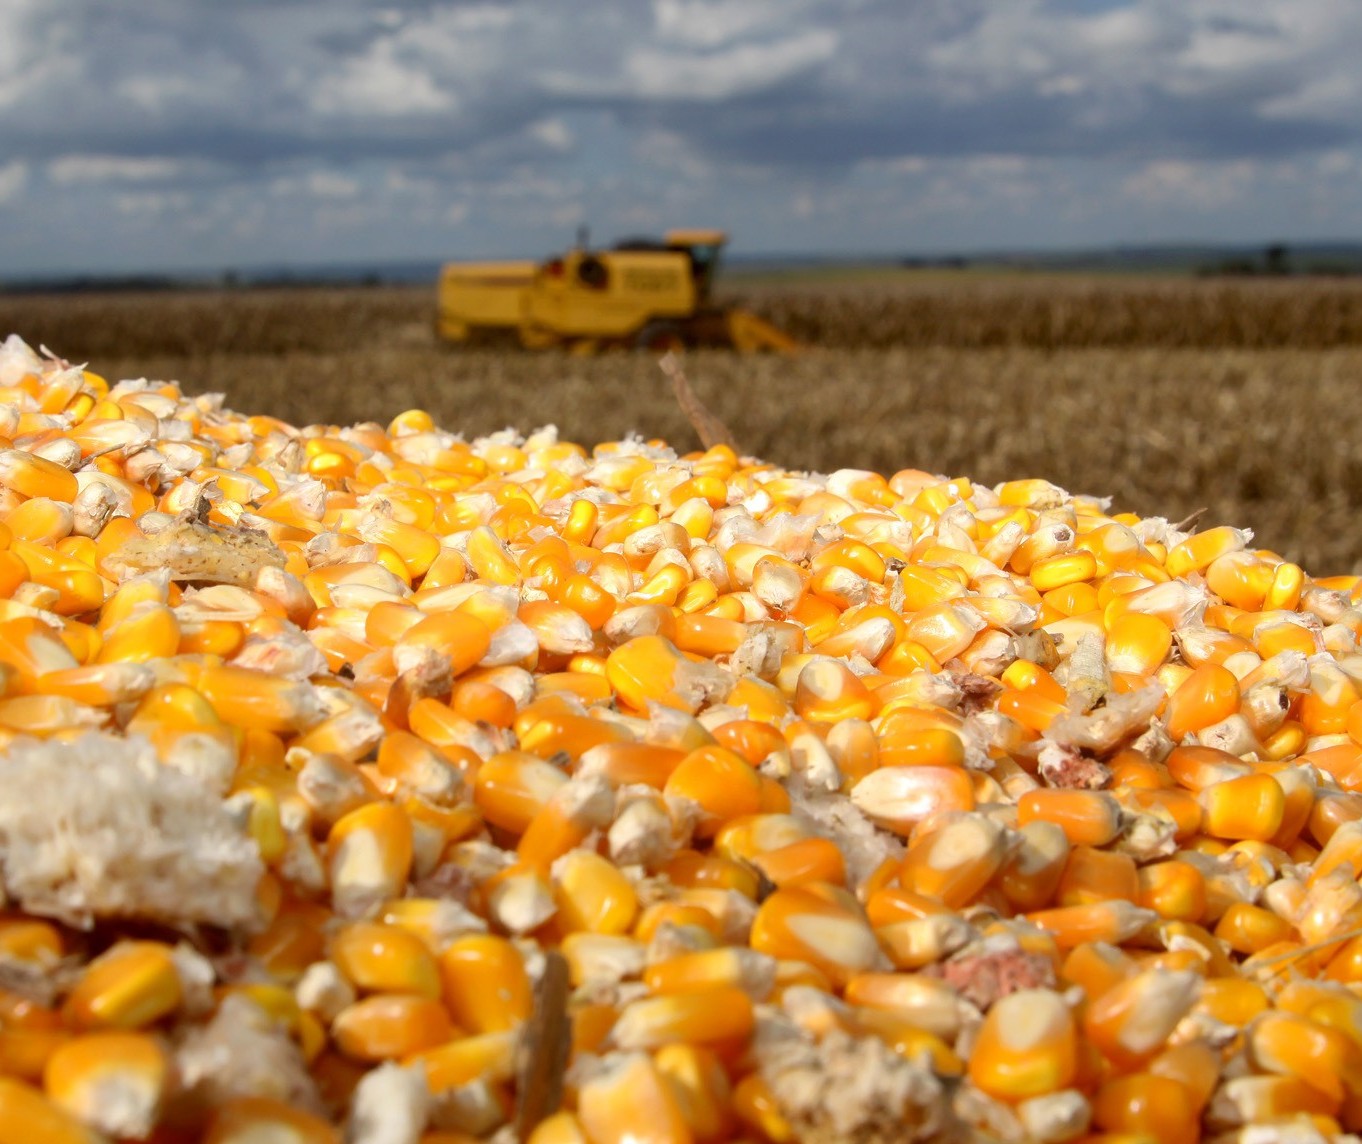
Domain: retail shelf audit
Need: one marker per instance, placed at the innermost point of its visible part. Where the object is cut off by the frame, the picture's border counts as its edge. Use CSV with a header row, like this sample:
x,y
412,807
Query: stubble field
x,y
1240,398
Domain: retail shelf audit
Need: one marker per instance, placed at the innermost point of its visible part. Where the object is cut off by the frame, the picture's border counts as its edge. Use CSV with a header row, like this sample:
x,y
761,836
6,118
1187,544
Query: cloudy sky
x,y
209,133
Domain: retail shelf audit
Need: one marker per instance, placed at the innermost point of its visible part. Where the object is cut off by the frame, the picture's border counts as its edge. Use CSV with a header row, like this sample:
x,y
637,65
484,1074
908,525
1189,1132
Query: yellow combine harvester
x,y
642,294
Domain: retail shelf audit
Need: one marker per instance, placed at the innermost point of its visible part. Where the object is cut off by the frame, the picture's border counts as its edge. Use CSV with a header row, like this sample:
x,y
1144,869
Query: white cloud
x,y
405,184
1025,46
1337,162
320,183
741,69
1062,85
380,85
553,134
331,185
672,153
1330,97
709,24
30,65
13,178
1195,184
480,18
152,204
156,92
112,168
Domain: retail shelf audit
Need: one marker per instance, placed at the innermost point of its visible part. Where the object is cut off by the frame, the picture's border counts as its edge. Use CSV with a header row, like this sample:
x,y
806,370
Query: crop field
x,y
1241,398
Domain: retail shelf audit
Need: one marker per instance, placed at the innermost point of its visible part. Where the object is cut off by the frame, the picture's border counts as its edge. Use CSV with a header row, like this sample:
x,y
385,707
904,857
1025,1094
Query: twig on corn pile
x,y
1188,522
1281,962
544,1047
708,428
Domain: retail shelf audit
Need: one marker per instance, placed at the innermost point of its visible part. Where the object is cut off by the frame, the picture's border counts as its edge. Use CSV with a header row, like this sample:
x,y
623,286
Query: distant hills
x,y
1274,259
1277,258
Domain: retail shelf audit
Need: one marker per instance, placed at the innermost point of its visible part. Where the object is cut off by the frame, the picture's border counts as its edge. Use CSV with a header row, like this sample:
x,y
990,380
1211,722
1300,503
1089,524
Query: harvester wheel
x,y
660,338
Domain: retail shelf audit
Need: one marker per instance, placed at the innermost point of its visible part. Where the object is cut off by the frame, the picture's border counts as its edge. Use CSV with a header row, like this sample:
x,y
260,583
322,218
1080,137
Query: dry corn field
x,y
1170,396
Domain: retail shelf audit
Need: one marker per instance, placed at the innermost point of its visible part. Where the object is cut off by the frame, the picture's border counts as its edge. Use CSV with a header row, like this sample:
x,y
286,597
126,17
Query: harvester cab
x,y
642,293
700,247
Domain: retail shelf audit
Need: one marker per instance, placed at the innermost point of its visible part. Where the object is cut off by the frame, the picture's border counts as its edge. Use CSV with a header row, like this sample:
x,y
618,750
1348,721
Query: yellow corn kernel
x,y
30,940
1250,929
1112,922
1053,572
486,988
381,958
1132,1020
48,715
755,1106
244,1120
1138,643
253,699
33,476
690,868
569,734
721,783
650,669
716,1015
1208,695
956,860
1285,590
1088,818
41,520
512,787
571,813
460,635
263,822
1146,1107
417,548
489,559
1092,875
730,966
592,894
625,1095
390,1026
1292,1045
1197,552
701,1087
26,1116
828,692
1031,874
1249,807
369,856
487,1057
113,1082
1174,890
132,985
1026,1047
799,924
77,588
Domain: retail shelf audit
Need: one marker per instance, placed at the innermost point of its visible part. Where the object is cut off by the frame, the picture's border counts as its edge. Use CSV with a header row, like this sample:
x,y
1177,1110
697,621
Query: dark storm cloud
x,y
776,109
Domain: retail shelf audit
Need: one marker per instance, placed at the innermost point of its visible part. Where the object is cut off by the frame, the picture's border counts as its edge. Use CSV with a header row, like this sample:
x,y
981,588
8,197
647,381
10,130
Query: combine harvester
x,y
642,294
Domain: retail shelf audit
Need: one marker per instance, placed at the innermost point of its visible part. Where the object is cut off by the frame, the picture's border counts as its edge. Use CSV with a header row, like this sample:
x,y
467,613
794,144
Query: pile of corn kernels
x,y
368,783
